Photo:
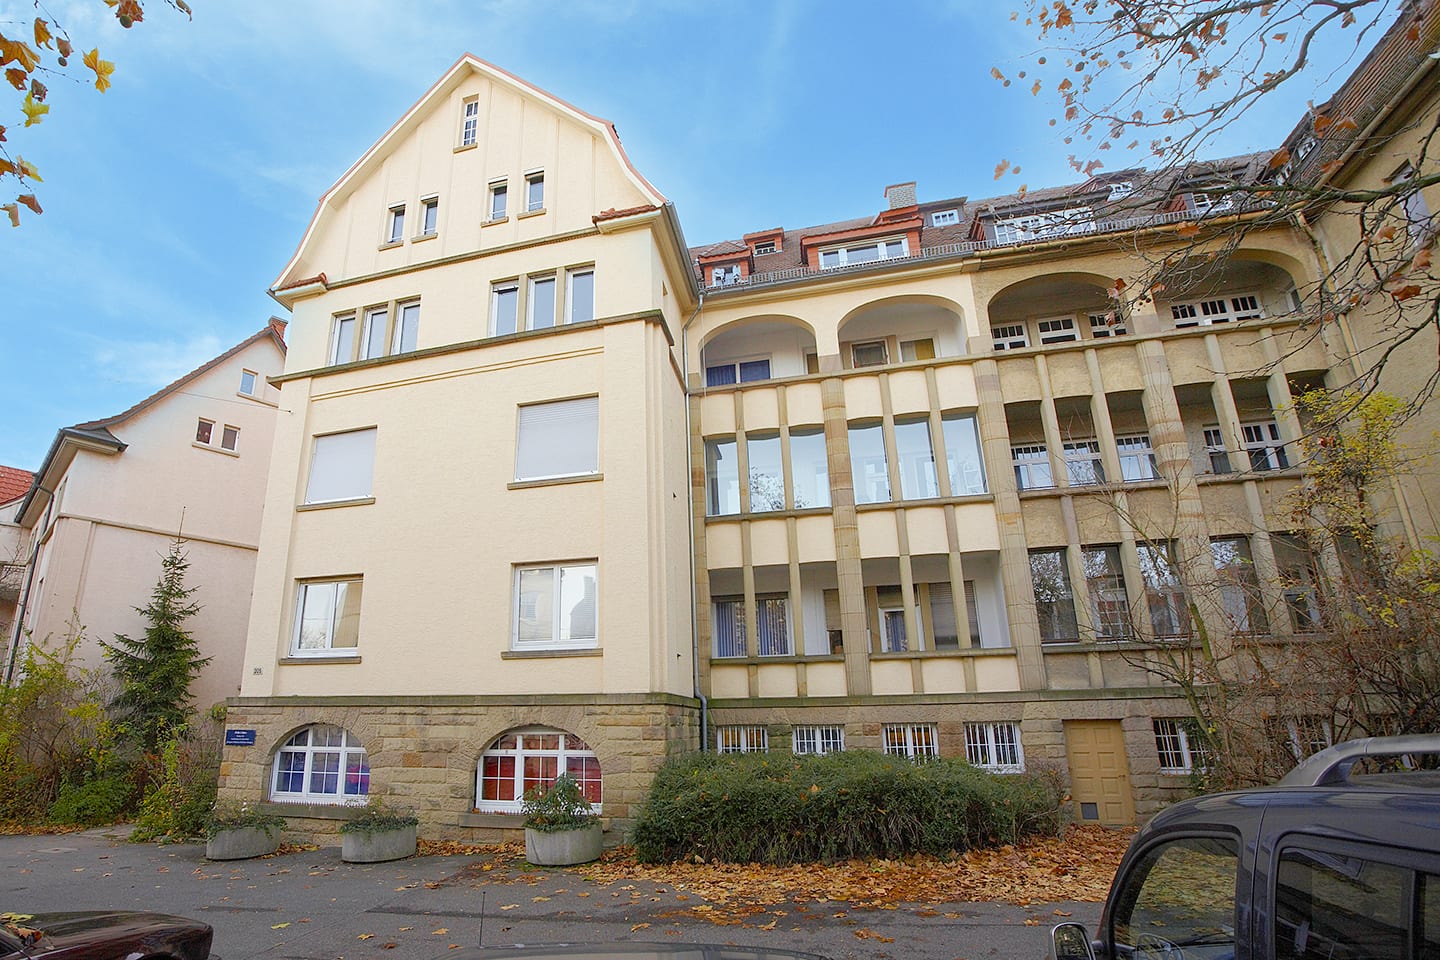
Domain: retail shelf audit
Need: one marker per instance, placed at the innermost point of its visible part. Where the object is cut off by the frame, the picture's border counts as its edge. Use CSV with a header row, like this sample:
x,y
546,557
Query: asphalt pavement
x,y
310,905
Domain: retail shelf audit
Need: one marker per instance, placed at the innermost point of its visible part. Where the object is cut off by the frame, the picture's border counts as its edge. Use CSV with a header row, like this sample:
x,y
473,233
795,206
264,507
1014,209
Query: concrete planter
x,y
564,847
379,846
242,843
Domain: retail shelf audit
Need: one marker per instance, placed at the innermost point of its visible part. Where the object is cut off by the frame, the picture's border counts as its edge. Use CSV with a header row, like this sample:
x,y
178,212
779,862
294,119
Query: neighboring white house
x,y
14,483
112,494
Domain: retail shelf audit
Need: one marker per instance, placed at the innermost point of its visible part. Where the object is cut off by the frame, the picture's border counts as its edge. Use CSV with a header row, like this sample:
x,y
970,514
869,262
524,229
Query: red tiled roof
x,y
14,482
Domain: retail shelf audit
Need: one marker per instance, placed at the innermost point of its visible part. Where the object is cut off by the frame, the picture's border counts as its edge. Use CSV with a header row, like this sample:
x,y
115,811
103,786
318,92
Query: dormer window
x,y
724,276
1043,226
763,247
1121,189
864,253
1211,201
944,218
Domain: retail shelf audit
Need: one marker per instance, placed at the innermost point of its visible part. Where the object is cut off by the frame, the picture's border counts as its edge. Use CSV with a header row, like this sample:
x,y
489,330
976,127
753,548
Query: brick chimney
x,y
900,195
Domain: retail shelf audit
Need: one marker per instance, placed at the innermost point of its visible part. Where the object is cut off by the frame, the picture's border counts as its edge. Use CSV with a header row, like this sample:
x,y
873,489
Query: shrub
x,y
562,807
242,817
377,816
744,808
92,803
179,796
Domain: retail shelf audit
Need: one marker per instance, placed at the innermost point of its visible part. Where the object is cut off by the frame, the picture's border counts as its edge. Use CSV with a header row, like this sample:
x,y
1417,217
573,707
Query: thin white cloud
x,y
151,363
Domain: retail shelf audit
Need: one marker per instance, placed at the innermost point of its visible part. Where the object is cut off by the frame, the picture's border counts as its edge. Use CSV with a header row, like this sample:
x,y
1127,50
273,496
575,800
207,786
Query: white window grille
x,y
870,252
1137,457
1180,752
1107,325
320,764
1215,450
470,120
1263,445
944,218
1203,313
1032,467
918,741
1044,226
738,738
529,759
994,747
1057,330
1121,189
814,740
1083,467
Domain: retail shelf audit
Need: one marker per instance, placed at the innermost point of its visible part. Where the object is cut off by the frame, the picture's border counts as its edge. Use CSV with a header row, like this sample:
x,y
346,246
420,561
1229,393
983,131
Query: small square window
x,y
498,194
248,380
534,192
203,431
397,224
229,438
429,216
327,618
763,247
872,354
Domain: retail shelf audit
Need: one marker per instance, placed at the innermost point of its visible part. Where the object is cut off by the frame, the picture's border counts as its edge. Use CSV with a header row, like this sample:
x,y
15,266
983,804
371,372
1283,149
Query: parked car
x,y
101,935
1328,864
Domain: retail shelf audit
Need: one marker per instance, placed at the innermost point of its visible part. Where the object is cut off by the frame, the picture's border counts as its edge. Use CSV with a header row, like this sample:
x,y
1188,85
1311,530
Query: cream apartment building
x,y
562,495
113,494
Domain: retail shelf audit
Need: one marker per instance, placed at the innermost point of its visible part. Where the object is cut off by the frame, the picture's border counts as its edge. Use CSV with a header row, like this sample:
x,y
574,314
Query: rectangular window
x,y
1054,597
735,738
1215,450
1044,226
429,216
917,741
534,192
1263,446
917,460
816,740
372,341
872,354
1295,563
560,439
921,349
727,628
1107,325
498,194
327,618
229,438
540,308
1057,330
342,467
1239,586
1164,593
722,477
407,328
248,381
1009,336
994,747
469,122
942,616
725,275
870,471
743,371
763,247
767,473
1331,904
1417,212
894,635
580,295
962,454
1083,467
203,431
944,218
809,471
555,606
1109,606
1180,751
864,253
1203,313
504,307
1137,458
397,224
342,340
1032,467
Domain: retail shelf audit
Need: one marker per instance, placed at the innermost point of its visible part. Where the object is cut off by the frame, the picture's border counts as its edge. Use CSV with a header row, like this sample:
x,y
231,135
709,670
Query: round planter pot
x,y
242,843
563,848
378,847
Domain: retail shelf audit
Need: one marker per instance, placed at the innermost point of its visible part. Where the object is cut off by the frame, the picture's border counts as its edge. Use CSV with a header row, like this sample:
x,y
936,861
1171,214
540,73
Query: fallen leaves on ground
x,y
286,848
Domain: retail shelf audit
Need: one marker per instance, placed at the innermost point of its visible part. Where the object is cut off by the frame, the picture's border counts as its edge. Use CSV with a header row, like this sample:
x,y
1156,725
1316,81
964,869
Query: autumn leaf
x,y
1279,158
13,212
366,936
102,68
42,33
639,926
33,110
1000,168
1406,292
64,47
279,926
440,933
19,52
1187,229
1386,232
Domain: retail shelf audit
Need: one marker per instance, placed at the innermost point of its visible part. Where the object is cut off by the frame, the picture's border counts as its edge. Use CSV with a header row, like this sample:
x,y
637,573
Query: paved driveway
x,y
312,905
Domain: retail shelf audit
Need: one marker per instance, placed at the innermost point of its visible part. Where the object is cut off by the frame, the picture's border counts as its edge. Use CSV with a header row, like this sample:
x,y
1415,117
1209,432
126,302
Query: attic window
x,y
469,121
725,275
764,246
863,253
1042,226
1121,189
944,218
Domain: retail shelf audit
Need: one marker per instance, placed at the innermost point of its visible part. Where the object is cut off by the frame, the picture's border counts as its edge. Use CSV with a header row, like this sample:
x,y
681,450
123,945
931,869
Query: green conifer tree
x,y
155,670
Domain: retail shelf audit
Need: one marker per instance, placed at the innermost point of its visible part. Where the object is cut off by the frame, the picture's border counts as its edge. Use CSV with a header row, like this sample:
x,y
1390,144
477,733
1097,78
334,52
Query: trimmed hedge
x,y
763,808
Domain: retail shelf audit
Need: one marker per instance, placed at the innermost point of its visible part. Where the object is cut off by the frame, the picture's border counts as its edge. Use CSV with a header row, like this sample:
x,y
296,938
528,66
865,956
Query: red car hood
x,y
101,935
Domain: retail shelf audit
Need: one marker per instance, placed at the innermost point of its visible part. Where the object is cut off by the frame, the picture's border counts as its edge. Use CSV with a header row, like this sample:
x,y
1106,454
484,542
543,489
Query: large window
x,y
1202,313
1295,563
1043,226
962,454
739,371
868,466
1057,330
864,253
1105,580
1164,593
1239,587
918,741
809,471
772,636
555,606
917,460
1137,457
942,616
1054,598
722,477
504,308
556,440
1032,466
812,740
767,473
530,759
320,764
1263,445
368,338
739,738
1083,466
994,747
342,467
327,618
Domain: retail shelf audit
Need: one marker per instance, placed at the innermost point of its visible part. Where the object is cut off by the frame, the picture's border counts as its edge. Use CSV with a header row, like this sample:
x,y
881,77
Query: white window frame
x,y
1030,460
531,300
917,741
360,491
429,217
765,247
395,223
1057,330
497,190
739,369
1177,755
1204,204
1044,226
724,275
469,121
368,333
1263,437
555,642
337,342
570,301
229,438
814,740
535,178
1121,189
569,748
1228,308
994,747
254,382
842,255
497,289
1135,449
1009,336
575,410
742,738
1216,450
944,218
302,591
405,313
348,750
1109,324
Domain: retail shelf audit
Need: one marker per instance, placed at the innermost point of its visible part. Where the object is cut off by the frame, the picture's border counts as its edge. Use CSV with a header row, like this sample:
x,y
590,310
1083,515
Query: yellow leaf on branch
x,y
42,33
102,68
33,110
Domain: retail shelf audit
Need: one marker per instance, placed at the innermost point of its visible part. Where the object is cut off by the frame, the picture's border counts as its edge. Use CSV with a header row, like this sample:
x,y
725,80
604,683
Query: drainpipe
x,y
25,600
690,502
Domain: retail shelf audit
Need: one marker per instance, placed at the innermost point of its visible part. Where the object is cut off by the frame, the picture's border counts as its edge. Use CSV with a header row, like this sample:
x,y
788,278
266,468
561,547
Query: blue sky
x,y
173,200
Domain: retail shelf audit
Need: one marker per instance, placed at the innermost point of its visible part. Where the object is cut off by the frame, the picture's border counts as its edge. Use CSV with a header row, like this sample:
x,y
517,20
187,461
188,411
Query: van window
x,y
1180,894
1333,905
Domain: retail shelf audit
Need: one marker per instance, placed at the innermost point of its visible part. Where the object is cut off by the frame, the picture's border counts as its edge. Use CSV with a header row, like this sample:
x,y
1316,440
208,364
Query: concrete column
x,y
851,582
1050,421
703,641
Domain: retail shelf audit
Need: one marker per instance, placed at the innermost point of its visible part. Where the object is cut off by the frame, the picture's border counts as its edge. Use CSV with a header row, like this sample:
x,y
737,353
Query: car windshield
x,y
1180,894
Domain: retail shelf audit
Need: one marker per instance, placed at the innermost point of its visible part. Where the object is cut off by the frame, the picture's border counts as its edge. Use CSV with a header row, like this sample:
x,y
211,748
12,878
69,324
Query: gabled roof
x,y
14,482
467,64
96,435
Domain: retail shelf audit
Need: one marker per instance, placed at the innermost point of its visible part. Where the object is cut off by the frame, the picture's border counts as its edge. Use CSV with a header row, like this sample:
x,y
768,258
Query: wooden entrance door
x,y
1099,772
